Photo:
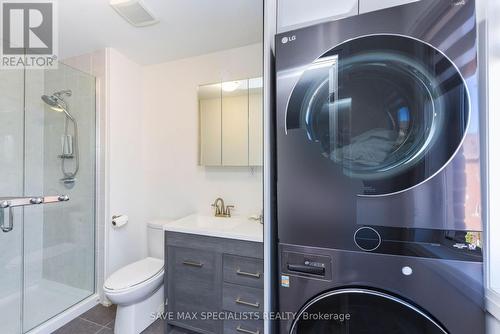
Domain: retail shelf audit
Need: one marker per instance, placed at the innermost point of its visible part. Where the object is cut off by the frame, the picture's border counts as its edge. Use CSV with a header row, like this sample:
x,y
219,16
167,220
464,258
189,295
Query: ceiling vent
x,y
134,12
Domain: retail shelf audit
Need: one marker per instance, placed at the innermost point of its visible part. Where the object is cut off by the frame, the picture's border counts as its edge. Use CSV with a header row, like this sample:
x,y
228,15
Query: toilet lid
x,y
134,274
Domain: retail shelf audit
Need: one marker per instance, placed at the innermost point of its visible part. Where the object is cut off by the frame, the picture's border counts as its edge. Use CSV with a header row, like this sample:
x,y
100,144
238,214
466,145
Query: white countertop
x,y
237,227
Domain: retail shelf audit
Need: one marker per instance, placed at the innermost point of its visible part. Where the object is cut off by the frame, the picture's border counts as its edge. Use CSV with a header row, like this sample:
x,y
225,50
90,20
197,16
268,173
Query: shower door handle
x,y
8,203
9,225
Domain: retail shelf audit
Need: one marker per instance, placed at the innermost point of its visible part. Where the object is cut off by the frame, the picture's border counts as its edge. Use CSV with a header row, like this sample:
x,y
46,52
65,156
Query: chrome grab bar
x,y
6,202
12,202
36,200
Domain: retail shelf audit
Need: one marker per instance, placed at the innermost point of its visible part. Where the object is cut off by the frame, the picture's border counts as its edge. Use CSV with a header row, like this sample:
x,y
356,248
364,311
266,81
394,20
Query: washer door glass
x,y
389,110
361,311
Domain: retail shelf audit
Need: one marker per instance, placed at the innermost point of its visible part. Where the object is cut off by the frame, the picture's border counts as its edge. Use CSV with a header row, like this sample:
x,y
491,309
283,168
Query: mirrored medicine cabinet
x,y
230,123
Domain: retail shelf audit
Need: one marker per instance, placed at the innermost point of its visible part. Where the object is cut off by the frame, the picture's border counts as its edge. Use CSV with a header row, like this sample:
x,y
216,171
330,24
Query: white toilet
x,y
137,289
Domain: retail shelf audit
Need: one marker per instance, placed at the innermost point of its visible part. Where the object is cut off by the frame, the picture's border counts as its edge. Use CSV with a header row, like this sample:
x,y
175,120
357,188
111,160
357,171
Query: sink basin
x,y
232,228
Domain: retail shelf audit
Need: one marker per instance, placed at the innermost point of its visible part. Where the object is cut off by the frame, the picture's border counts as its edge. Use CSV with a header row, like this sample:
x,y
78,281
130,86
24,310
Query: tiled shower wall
x,y
33,178
95,64
68,230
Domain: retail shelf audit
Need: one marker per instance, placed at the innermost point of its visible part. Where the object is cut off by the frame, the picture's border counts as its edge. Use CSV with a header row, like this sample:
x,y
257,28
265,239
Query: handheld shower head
x,y
56,102
53,102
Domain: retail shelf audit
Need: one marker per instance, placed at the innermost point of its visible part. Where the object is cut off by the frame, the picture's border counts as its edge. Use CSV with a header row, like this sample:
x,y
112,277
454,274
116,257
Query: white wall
x,y
175,183
125,169
150,115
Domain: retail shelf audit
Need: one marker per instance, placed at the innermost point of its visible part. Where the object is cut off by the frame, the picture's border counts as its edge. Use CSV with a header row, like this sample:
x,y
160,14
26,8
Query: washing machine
x,y
336,291
378,167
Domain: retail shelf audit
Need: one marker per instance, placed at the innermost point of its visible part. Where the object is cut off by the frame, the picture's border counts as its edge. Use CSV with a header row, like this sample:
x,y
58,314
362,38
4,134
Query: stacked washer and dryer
x,y
378,173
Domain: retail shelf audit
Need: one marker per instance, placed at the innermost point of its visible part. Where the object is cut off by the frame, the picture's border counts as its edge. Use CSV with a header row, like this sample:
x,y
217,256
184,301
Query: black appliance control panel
x,y
307,265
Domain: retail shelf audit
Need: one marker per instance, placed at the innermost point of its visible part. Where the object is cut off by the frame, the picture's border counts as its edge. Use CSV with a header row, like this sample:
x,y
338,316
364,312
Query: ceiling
x,y
187,28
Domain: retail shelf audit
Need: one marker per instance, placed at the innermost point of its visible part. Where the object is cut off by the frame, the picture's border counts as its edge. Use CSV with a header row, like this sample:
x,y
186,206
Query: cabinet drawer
x,y
192,264
193,279
244,271
237,298
243,326
219,245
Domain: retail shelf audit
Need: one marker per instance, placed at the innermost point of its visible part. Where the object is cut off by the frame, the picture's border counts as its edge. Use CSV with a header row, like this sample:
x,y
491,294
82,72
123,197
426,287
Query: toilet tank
x,y
155,239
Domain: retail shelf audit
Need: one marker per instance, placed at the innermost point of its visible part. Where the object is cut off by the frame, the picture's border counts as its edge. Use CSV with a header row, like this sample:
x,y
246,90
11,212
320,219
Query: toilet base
x,y
134,318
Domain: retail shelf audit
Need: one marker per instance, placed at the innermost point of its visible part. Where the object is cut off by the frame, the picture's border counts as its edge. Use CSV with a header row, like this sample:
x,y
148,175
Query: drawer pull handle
x,y
193,264
246,331
242,302
244,273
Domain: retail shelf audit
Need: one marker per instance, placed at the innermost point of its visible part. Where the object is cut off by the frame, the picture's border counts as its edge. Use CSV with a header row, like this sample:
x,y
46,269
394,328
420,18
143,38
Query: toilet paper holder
x,y
119,220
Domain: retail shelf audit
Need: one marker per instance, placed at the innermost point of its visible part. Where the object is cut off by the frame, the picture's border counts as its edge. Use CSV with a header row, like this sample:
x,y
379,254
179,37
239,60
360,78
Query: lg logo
x,y
287,39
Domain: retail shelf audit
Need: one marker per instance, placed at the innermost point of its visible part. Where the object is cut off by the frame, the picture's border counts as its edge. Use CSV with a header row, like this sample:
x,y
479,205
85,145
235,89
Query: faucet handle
x,y
257,218
228,210
216,207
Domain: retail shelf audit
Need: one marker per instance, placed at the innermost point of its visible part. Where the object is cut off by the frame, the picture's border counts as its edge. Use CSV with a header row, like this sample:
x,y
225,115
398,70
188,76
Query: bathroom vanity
x,y
214,280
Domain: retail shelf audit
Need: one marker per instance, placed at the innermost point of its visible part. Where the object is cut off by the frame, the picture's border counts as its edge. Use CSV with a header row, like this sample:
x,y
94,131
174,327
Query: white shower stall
x,y
47,235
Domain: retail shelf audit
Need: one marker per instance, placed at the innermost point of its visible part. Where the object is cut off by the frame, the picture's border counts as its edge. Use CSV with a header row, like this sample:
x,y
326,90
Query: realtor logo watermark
x,y
29,34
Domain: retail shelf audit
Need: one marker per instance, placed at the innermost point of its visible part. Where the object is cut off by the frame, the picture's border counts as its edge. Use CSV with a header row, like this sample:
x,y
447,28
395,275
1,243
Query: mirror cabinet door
x,y
255,119
235,123
230,123
210,104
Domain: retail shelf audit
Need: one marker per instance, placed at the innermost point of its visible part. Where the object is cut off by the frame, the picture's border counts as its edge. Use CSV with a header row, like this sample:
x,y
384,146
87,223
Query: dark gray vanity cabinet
x,y
211,282
193,277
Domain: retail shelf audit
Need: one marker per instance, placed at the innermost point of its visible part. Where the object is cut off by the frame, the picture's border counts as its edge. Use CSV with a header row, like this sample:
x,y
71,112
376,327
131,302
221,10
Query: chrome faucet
x,y
220,209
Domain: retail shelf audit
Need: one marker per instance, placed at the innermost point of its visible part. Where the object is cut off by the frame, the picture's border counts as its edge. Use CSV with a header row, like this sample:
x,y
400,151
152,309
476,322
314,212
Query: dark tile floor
x,y
101,320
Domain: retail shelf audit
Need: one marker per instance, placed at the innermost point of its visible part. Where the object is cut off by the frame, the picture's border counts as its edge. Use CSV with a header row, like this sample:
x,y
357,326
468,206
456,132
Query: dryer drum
x,y
361,310
380,106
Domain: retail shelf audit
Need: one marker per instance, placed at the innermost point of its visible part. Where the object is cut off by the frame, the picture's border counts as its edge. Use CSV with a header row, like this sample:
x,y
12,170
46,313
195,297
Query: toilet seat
x,y
135,282
137,290
134,274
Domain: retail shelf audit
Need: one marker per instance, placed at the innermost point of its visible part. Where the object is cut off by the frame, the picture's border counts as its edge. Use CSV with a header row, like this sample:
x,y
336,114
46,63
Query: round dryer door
x,y
389,110
362,311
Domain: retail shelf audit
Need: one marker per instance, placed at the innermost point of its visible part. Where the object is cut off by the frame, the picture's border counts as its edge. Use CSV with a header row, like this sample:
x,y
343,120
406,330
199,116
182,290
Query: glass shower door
x,y
11,185
60,159
47,194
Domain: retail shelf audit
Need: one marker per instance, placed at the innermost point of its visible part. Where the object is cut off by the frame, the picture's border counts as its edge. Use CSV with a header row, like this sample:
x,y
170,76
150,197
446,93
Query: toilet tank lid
x,y
158,224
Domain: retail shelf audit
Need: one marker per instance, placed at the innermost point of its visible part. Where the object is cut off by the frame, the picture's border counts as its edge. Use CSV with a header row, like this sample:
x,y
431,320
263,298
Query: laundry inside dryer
x,y
379,104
